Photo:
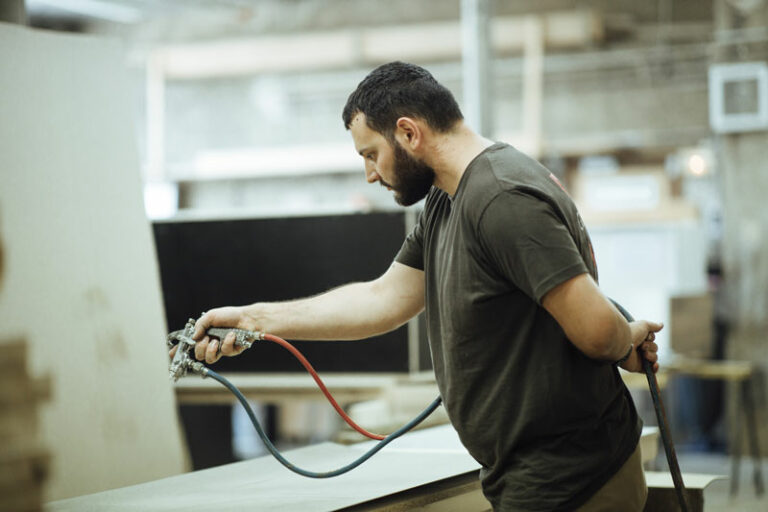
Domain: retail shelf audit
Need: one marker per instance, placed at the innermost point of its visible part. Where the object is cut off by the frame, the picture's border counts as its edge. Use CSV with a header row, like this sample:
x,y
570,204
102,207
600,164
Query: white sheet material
x,y
81,281
263,484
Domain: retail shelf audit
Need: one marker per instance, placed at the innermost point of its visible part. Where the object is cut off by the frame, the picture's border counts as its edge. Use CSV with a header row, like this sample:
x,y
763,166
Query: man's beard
x,y
413,178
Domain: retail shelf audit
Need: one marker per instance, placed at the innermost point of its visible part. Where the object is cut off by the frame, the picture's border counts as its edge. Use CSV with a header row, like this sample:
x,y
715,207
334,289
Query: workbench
x,y
428,470
738,373
281,388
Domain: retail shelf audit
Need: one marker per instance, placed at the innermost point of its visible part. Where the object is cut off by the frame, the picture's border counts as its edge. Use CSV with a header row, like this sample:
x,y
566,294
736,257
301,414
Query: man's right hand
x,y
207,347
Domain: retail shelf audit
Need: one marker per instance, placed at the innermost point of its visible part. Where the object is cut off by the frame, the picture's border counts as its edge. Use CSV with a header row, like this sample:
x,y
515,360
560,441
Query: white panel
x,y
642,266
81,280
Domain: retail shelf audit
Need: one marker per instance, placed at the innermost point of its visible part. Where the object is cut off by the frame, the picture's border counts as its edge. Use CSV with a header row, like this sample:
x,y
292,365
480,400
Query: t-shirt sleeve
x,y
412,251
528,244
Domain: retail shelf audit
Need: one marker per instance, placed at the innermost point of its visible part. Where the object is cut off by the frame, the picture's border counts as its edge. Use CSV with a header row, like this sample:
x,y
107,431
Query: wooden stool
x,y
740,373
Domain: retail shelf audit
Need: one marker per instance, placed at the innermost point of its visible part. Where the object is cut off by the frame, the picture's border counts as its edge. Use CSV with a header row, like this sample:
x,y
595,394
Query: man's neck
x,y
451,153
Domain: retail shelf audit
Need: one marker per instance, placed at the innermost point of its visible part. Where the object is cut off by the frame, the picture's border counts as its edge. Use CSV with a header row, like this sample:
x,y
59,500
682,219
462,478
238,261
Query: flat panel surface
x,y
81,282
263,484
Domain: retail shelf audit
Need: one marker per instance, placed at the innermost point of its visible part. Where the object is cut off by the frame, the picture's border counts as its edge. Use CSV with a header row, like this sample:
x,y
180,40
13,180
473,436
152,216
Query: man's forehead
x,y
362,134
358,122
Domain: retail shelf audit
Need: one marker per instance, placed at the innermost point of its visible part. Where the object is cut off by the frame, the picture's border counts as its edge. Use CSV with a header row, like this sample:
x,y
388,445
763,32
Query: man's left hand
x,y
643,337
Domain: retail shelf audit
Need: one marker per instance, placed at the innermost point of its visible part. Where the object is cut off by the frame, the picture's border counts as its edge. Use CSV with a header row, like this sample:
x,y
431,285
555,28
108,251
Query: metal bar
x,y
666,437
476,62
749,412
661,417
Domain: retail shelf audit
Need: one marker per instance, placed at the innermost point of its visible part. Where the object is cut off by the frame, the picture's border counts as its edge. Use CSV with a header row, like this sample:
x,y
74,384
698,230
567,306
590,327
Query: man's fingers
x,y
212,352
650,352
200,348
228,345
173,351
201,325
652,356
655,326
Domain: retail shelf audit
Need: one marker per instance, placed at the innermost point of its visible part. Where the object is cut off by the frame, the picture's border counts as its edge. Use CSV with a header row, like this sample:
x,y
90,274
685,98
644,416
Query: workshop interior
x,y
163,158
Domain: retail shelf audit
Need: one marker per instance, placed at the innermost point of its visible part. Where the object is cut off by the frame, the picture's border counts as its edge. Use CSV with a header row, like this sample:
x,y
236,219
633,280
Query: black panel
x,y
208,432
205,264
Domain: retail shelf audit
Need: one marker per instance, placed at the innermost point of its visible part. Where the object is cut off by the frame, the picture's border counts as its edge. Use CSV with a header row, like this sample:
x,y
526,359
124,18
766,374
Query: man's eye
x,y
370,156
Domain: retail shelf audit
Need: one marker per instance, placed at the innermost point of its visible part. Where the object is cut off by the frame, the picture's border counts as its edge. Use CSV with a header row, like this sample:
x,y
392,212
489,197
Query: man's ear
x,y
409,132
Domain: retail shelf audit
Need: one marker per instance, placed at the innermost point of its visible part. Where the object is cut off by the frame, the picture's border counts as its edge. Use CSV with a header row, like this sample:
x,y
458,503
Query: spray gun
x,y
183,362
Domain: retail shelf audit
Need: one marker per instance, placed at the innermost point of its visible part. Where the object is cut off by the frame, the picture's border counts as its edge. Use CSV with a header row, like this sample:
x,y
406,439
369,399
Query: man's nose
x,y
371,176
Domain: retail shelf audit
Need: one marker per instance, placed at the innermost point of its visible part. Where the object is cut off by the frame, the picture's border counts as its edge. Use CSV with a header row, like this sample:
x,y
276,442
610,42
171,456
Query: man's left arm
x,y
594,325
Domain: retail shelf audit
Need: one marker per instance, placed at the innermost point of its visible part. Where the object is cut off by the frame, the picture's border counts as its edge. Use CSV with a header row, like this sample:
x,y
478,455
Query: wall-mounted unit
x,y
738,97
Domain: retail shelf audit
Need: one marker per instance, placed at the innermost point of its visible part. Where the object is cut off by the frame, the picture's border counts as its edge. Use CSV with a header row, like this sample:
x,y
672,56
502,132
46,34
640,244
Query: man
x,y
524,344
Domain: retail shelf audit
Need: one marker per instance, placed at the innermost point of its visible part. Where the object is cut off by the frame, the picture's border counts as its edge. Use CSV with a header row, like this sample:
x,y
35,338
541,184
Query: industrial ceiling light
x,y
697,165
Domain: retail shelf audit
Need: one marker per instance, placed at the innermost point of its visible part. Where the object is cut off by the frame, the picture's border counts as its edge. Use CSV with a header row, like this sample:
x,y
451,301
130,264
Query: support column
x,y
741,158
13,11
533,84
476,64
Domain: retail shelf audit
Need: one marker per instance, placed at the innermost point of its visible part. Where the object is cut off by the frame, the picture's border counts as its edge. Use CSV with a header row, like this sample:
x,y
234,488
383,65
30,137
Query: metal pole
x,y
533,83
476,64
13,11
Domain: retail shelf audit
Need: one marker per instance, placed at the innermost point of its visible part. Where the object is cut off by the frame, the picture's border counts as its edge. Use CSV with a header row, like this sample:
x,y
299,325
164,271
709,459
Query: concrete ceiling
x,y
193,20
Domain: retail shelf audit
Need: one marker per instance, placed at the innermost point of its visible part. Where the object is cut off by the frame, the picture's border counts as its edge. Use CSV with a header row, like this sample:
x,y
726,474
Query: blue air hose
x,y
313,474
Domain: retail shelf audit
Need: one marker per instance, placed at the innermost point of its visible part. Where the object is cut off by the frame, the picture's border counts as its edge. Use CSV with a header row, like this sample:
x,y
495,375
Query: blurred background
x,y
654,115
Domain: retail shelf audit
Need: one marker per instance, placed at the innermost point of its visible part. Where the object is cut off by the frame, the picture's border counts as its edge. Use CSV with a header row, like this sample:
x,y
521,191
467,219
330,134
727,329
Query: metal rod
x,y
661,417
666,437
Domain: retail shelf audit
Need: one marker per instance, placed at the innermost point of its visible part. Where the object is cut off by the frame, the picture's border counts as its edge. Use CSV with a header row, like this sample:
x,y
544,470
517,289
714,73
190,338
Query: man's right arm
x,y
350,312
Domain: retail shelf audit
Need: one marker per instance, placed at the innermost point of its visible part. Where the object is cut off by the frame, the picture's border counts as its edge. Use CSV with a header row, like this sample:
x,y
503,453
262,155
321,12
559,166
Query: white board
x,y
81,280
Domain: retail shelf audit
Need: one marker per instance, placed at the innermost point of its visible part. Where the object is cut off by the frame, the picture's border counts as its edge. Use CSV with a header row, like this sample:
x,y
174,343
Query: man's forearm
x,y
350,312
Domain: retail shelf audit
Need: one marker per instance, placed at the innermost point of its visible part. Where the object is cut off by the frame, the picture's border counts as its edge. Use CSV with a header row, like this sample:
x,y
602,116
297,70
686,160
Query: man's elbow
x,y
600,339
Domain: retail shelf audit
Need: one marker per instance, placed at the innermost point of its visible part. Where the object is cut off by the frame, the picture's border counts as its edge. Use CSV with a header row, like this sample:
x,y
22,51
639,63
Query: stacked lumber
x,y
23,461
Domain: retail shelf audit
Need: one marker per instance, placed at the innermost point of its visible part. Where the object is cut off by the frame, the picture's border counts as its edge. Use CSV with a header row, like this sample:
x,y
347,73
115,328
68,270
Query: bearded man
x,y
525,347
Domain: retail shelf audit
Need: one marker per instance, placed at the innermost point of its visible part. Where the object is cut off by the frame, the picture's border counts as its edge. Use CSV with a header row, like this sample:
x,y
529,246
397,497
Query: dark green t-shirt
x,y
548,424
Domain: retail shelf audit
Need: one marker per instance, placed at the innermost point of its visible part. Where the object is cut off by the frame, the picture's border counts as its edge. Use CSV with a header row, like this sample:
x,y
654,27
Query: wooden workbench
x,y
424,470
286,387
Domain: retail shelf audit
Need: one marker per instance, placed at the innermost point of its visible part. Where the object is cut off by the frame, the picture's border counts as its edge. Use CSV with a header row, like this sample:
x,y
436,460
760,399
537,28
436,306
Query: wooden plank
x,y
29,471
81,283
21,391
707,369
22,500
18,423
287,387
13,357
20,449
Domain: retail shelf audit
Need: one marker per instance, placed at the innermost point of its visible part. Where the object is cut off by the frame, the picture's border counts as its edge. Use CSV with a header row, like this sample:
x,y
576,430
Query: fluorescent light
x,y
697,165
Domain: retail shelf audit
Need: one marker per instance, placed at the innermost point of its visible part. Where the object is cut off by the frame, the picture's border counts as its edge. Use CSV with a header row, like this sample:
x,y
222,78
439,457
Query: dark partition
x,y
205,264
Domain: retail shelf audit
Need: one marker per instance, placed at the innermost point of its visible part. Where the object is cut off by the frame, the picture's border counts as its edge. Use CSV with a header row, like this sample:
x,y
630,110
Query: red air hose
x,y
303,360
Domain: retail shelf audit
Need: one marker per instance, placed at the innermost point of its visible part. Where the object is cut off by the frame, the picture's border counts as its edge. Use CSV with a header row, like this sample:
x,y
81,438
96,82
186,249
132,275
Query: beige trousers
x,y
626,491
